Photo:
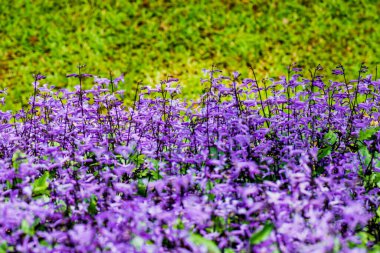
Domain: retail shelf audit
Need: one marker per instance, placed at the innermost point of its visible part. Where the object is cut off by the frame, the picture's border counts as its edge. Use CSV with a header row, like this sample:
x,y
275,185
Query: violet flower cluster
x,y
288,165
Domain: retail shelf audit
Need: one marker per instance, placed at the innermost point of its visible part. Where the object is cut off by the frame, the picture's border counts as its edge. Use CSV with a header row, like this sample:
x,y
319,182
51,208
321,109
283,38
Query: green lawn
x,y
150,40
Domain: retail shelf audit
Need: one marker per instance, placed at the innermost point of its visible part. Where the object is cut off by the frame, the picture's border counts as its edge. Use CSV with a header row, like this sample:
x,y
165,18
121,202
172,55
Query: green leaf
x,y
92,210
368,133
156,175
214,152
137,242
40,185
155,163
156,172
261,235
209,185
330,137
179,225
138,159
9,184
18,158
211,197
200,240
323,152
375,179
45,244
55,144
3,247
375,249
336,248
141,188
60,205
364,153
377,159
29,229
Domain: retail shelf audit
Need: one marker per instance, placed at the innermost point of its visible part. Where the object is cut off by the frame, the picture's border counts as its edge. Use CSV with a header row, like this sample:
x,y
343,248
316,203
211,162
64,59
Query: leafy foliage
x,y
261,235
40,185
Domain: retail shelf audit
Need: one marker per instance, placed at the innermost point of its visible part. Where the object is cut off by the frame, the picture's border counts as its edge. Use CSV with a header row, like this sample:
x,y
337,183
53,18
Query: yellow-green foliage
x,y
151,39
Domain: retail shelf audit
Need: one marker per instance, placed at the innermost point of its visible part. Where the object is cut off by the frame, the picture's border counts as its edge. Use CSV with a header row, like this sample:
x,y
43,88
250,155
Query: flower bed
x,y
273,166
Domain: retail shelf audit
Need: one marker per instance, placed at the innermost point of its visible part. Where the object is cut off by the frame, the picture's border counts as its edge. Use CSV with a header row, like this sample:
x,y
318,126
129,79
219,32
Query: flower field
x,y
275,165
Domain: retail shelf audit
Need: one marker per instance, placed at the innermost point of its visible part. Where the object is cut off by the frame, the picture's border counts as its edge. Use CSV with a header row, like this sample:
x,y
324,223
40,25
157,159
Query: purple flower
x,y
77,75
119,79
236,74
38,77
297,69
82,171
72,75
337,72
101,81
82,235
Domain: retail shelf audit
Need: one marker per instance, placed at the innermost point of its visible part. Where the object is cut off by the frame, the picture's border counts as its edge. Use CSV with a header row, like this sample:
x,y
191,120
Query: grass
x,y
152,39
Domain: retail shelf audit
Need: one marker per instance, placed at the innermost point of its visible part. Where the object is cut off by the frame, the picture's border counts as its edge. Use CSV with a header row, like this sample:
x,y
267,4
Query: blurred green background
x,y
152,39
